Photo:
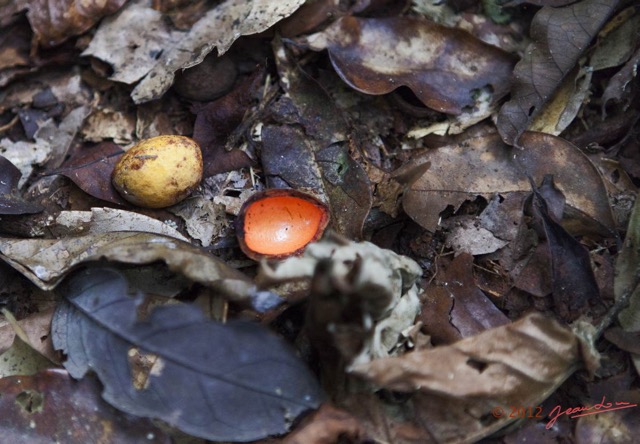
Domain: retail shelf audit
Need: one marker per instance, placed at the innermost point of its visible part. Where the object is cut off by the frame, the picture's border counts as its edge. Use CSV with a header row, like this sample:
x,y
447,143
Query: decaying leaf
x,y
36,328
204,220
108,220
627,277
348,188
21,358
457,389
560,37
10,200
454,307
444,67
362,296
219,28
317,156
574,285
132,40
51,406
46,261
91,171
222,382
54,21
485,165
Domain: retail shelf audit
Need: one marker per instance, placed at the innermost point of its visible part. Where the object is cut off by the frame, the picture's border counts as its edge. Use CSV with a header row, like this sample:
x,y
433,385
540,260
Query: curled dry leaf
x,y
54,21
219,28
36,328
444,67
223,382
362,296
455,387
45,262
485,166
560,37
51,406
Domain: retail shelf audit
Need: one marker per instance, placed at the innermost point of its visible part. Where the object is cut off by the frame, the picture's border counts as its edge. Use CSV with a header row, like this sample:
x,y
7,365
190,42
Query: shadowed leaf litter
x,y
479,278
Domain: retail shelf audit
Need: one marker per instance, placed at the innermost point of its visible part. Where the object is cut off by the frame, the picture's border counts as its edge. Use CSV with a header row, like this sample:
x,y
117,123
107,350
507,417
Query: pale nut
x,y
159,172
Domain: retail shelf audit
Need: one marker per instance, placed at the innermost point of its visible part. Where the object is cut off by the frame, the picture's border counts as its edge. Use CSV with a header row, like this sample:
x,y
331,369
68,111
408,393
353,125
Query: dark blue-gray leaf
x,y
222,382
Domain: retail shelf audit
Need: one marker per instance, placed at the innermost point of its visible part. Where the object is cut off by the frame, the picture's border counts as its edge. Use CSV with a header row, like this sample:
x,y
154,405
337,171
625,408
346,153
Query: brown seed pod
x,y
280,223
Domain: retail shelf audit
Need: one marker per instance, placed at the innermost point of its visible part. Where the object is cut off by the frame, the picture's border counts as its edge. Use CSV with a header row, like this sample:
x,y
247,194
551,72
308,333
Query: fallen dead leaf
x,y
455,388
376,56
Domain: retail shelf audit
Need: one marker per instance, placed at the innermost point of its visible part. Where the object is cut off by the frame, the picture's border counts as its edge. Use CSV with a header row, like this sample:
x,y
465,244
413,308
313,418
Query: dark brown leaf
x,y
10,200
288,160
444,67
574,286
621,87
471,312
216,122
50,406
561,36
318,157
54,21
348,189
91,171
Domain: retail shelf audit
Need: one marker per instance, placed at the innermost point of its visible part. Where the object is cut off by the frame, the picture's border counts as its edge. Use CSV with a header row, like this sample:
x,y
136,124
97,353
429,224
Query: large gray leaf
x,y
222,382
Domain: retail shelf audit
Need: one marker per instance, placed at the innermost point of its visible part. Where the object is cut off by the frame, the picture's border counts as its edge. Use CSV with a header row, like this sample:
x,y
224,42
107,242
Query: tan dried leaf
x,y
219,28
483,166
45,262
455,388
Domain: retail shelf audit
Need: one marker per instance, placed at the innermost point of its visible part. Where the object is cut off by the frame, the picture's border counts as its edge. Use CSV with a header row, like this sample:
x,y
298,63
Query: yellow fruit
x,y
159,172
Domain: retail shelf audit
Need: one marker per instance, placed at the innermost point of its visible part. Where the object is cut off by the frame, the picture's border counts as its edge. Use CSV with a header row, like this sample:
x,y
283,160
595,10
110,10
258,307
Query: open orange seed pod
x,y
280,222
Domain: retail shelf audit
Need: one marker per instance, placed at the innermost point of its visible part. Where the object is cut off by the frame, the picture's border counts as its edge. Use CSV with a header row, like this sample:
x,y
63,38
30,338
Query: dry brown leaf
x,y
45,262
328,425
219,28
561,36
54,21
131,41
444,67
37,327
458,389
485,166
